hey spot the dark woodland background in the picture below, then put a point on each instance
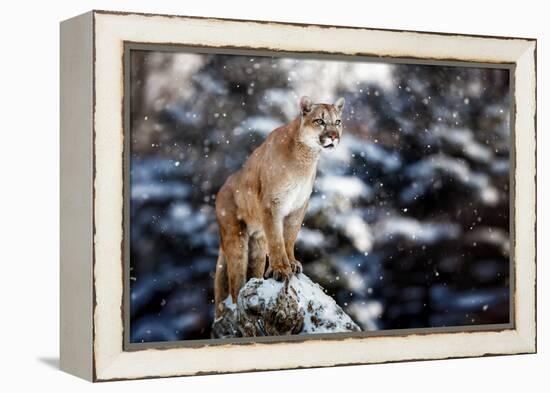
(408, 225)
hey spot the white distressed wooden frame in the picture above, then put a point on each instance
(92, 90)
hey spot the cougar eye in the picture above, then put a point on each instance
(319, 122)
(338, 122)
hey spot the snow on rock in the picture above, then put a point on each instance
(272, 308)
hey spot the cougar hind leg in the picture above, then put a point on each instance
(221, 283)
(235, 249)
(234, 239)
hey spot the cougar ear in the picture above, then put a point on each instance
(305, 105)
(339, 104)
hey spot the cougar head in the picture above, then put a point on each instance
(321, 124)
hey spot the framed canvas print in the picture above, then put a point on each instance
(246, 195)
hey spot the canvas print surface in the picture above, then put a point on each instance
(278, 196)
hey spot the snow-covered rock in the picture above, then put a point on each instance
(273, 308)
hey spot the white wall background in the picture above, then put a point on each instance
(29, 194)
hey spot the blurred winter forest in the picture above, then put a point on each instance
(408, 223)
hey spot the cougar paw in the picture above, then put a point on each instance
(296, 266)
(279, 274)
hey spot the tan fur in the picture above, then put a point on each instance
(261, 207)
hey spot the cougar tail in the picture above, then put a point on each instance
(221, 283)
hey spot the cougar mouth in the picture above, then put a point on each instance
(329, 143)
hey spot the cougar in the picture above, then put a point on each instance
(260, 208)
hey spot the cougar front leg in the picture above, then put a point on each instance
(292, 225)
(257, 251)
(279, 265)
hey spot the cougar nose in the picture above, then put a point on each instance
(333, 135)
